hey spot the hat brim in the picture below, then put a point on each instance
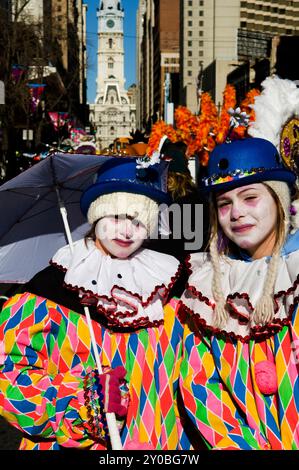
(275, 174)
(100, 189)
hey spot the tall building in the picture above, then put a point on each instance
(236, 41)
(208, 47)
(145, 62)
(112, 115)
(140, 63)
(166, 52)
(158, 46)
(268, 38)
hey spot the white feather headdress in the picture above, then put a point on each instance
(278, 102)
(277, 120)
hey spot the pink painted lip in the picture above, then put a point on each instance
(123, 243)
(242, 228)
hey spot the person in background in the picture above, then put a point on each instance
(50, 387)
(188, 213)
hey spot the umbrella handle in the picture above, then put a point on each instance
(63, 213)
(110, 417)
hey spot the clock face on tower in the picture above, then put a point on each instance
(110, 23)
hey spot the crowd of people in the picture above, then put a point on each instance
(131, 338)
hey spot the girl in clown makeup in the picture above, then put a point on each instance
(50, 388)
(240, 379)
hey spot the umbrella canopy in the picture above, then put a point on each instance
(40, 211)
(32, 228)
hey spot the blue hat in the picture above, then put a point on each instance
(121, 174)
(245, 161)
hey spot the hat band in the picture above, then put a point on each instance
(233, 176)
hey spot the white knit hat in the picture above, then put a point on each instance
(137, 206)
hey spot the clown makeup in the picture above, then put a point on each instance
(119, 236)
(248, 217)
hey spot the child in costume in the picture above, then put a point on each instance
(49, 385)
(240, 379)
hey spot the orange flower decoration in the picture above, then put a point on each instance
(201, 133)
(159, 129)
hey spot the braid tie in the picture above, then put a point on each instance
(220, 312)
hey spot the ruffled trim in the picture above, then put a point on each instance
(203, 323)
(90, 298)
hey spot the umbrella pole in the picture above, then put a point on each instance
(110, 417)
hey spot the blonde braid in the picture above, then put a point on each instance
(220, 313)
(264, 310)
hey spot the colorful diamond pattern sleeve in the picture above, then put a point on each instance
(225, 399)
(45, 355)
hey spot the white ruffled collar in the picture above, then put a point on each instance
(129, 292)
(242, 284)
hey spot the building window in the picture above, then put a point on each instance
(243, 24)
(201, 3)
(200, 53)
(189, 53)
(189, 23)
(189, 63)
(190, 12)
(200, 43)
(110, 43)
(110, 63)
(189, 33)
(189, 43)
(200, 33)
(189, 3)
(189, 73)
(200, 23)
(201, 13)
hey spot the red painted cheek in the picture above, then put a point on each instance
(252, 203)
(222, 211)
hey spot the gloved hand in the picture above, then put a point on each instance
(110, 391)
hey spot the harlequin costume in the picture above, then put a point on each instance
(46, 354)
(240, 381)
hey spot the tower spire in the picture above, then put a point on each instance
(113, 114)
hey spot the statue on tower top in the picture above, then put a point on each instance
(111, 5)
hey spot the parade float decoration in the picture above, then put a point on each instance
(201, 132)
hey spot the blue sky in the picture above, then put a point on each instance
(130, 7)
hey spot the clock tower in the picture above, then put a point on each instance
(113, 114)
